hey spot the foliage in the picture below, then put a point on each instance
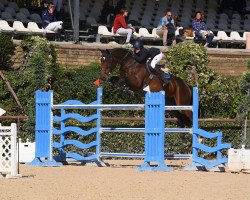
(7, 49)
(40, 60)
(244, 107)
(37, 73)
(219, 96)
(76, 84)
(186, 56)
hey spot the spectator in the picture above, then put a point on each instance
(108, 13)
(49, 20)
(119, 5)
(166, 29)
(121, 27)
(200, 30)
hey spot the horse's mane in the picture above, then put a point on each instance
(119, 52)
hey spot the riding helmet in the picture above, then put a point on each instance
(138, 44)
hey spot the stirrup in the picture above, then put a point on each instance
(165, 76)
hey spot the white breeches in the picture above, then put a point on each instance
(127, 31)
(54, 26)
(156, 59)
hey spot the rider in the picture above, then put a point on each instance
(142, 54)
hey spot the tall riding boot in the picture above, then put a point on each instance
(163, 75)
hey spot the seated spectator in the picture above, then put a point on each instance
(166, 29)
(121, 27)
(201, 31)
(108, 13)
(49, 20)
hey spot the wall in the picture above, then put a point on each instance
(224, 61)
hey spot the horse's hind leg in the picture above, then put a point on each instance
(181, 100)
(175, 113)
(187, 115)
(181, 119)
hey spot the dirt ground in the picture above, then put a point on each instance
(122, 181)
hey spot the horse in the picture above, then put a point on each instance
(136, 76)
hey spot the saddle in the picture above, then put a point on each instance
(164, 76)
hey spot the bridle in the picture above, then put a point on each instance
(119, 61)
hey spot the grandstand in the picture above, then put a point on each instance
(230, 31)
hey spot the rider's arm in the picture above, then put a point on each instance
(123, 23)
(142, 57)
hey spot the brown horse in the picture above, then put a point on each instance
(136, 76)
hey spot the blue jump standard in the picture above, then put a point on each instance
(154, 133)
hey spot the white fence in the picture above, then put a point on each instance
(8, 151)
(239, 160)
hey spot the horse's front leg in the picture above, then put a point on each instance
(120, 84)
(117, 81)
(122, 77)
(114, 80)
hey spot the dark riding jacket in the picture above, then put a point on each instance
(144, 54)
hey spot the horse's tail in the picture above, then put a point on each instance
(191, 99)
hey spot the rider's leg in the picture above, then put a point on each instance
(162, 74)
(156, 59)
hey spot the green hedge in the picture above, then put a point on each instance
(7, 49)
(218, 96)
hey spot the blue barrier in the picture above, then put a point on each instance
(154, 132)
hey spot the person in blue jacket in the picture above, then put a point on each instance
(49, 21)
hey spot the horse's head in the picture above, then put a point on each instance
(108, 63)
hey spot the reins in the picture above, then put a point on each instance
(124, 56)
